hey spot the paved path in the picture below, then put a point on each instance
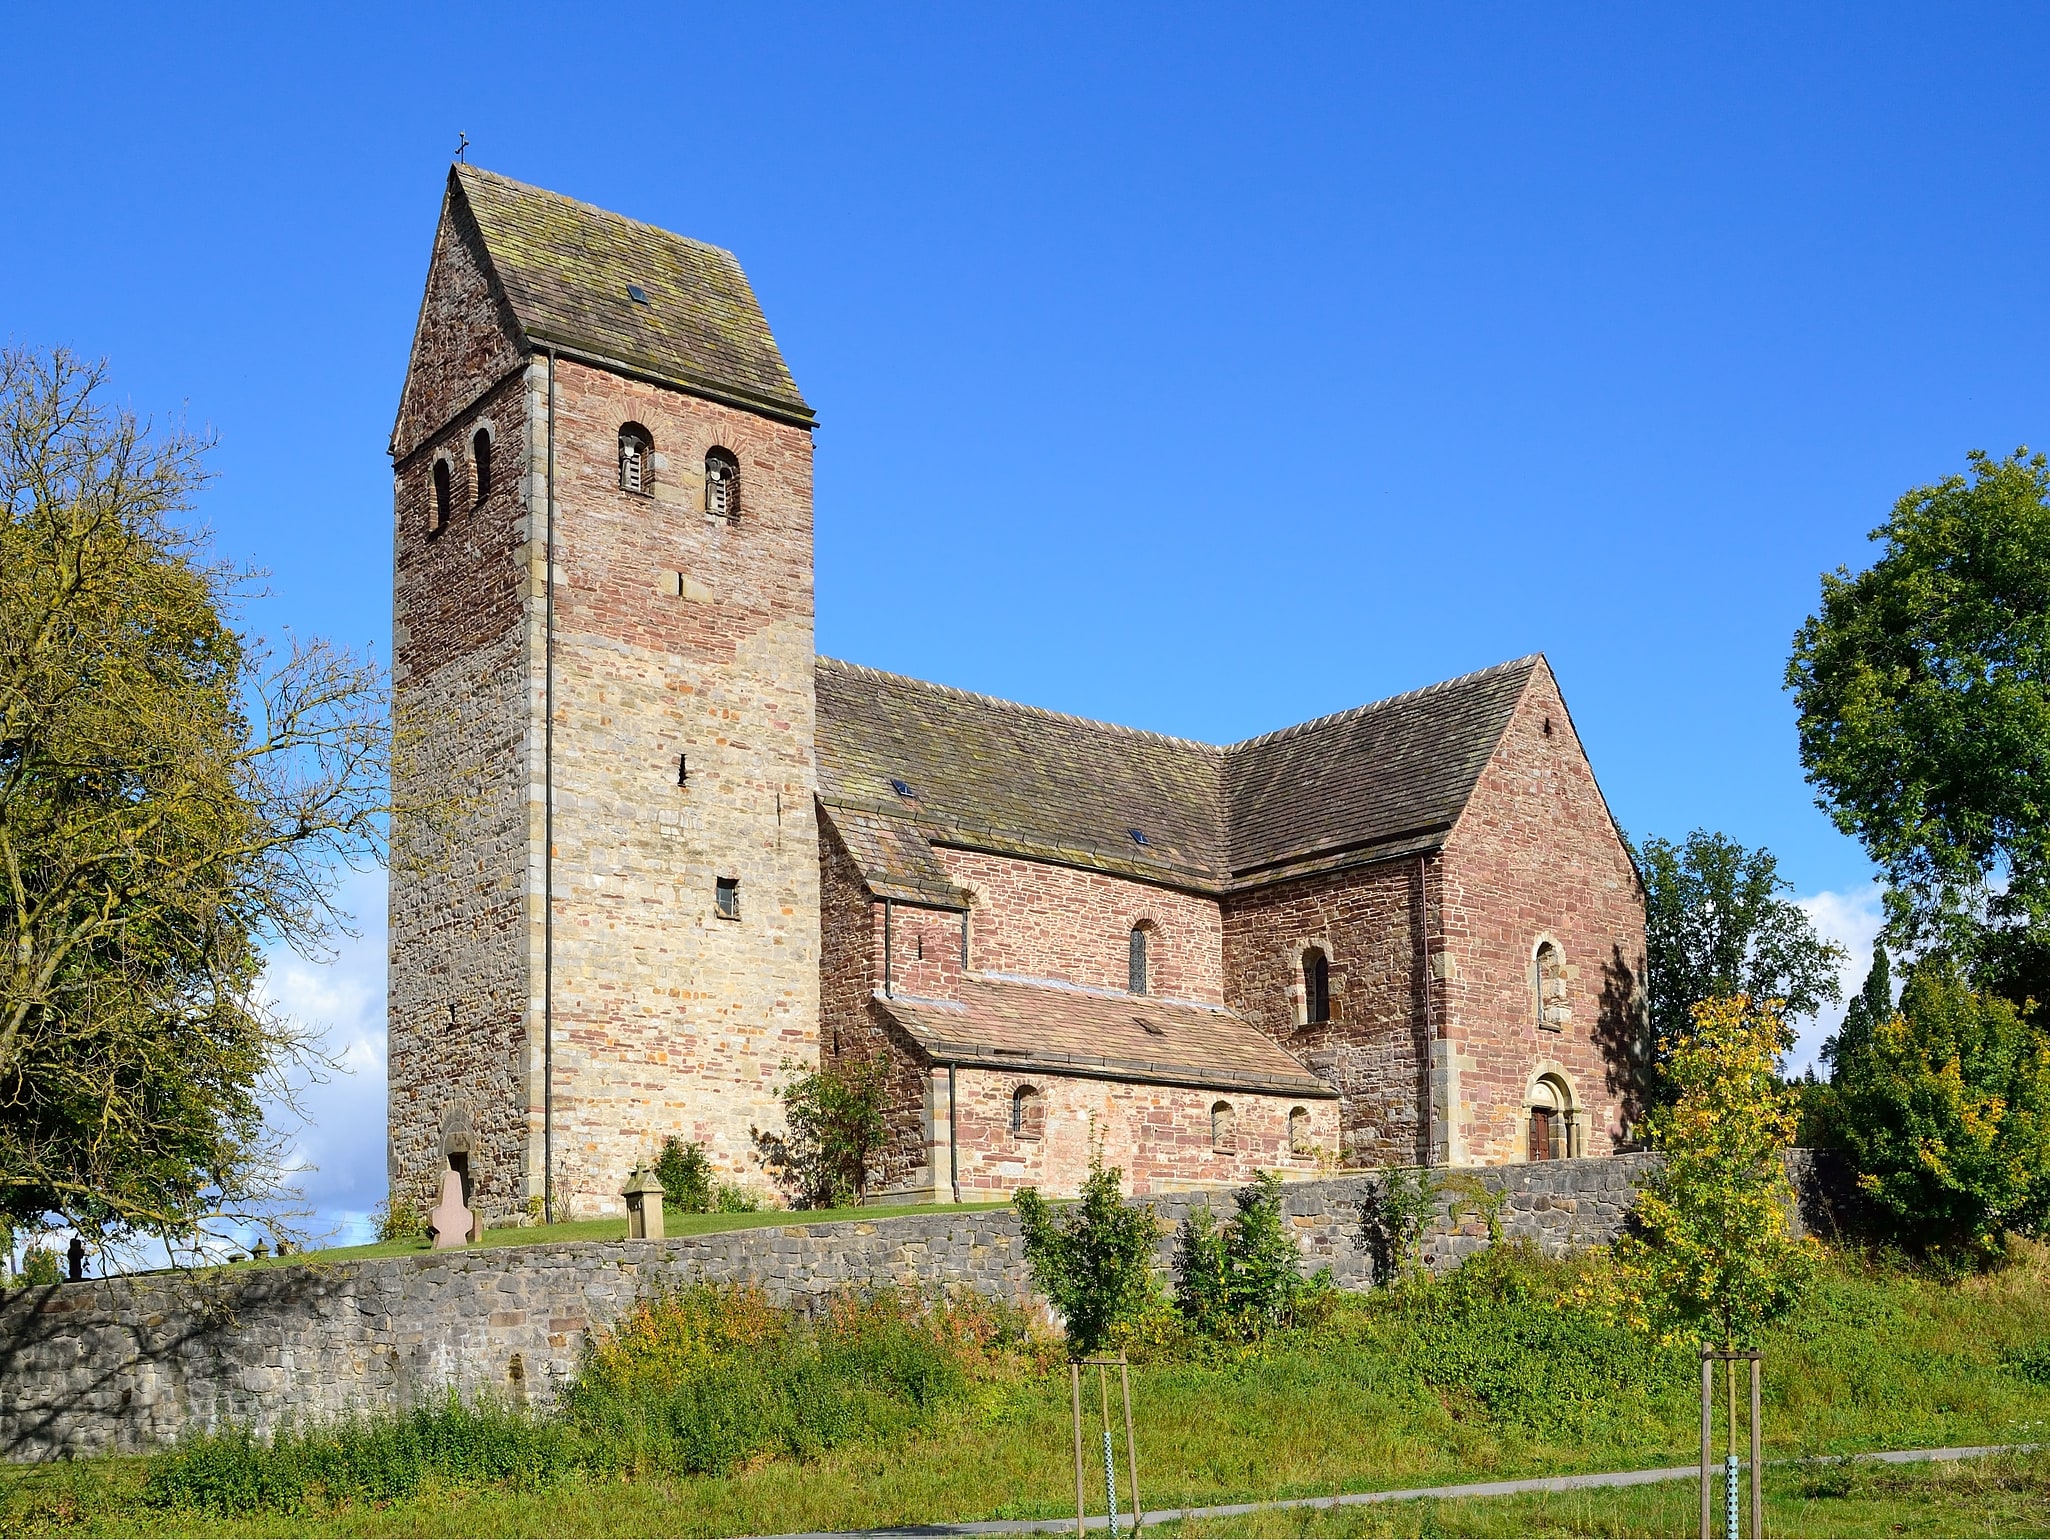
(1624, 1478)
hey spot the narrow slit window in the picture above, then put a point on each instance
(1223, 1128)
(437, 515)
(1136, 962)
(480, 457)
(1316, 987)
(722, 484)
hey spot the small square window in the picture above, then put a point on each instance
(726, 897)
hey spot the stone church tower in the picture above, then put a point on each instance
(603, 591)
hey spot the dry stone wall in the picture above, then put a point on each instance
(130, 1364)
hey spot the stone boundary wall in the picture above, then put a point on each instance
(123, 1365)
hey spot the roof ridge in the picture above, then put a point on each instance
(1529, 659)
(1048, 712)
(463, 167)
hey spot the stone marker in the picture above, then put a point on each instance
(643, 1206)
(450, 1224)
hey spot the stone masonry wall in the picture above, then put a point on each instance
(679, 633)
(1159, 1136)
(460, 914)
(1536, 857)
(129, 1364)
(1058, 922)
(1366, 922)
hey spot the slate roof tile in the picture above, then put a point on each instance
(1027, 1025)
(566, 266)
(1377, 781)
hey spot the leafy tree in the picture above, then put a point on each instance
(173, 796)
(1717, 923)
(835, 1121)
(1093, 1260)
(1711, 1250)
(1923, 687)
(1243, 1278)
(1869, 1007)
(1394, 1219)
(685, 1172)
(1945, 1108)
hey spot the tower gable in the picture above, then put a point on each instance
(466, 339)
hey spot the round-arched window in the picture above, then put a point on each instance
(1136, 961)
(1028, 1113)
(636, 456)
(437, 514)
(1223, 1127)
(722, 484)
(1299, 1140)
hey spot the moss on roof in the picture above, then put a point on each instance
(567, 269)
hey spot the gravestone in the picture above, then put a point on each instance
(451, 1223)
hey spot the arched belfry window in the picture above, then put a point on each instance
(722, 484)
(1028, 1113)
(1316, 986)
(1137, 982)
(1548, 986)
(636, 451)
(437, 515)
(1223, 1127)
(480, 457)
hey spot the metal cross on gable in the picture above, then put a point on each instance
(462, 146)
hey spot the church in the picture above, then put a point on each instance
(655, 856)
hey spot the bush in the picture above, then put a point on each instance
(835, 1124)
(40, 1265)
(1094, 1261)
(731, 1198)
(1945, 1109)
(1243, 1278)
(397, 1220)
(685, 1173)
(1394, 1219)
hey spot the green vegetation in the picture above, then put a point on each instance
(1093, 1260)
(1944, 1106)
(1507, 1367)
(1244, 1278)
(833, 1131)
(173, 796)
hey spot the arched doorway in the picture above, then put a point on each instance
(1553, 1135)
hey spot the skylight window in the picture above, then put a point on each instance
(1139, 837)
(637, 294)
(902, 789)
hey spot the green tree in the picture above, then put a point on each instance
(1093, 1260)
(173, 797)
(1923, 687)
(1244, 1277)
(1944, 1106)
(835, 1120)
(1869, 1007)
(1711, 1251)
(1717, 923)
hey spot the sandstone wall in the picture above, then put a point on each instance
(1536, 857)
(128, 1364)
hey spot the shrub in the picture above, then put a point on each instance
(397, 1220)
(1945, 1109)
(1394, 1218)
(1243, 1278)
(685, 1173)
(732, 1198)
(1094, 1261)
(834, 1127)
(40, 1265)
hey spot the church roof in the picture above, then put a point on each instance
(566, 268)
(1036, 1025)
(1378, 781)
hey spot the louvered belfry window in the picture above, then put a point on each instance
(722, 484)
(633, 459)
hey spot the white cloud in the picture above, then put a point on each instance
(337, 1139)
(1852, 919)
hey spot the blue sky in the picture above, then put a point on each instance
(1203, 369)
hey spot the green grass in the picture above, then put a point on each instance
(1502, 1372)
(675, 1224)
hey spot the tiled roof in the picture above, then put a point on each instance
(998, 775)
(1029, 1025)
(1378, 781)
(895, 858)
(565, 267)
(1396, 773)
